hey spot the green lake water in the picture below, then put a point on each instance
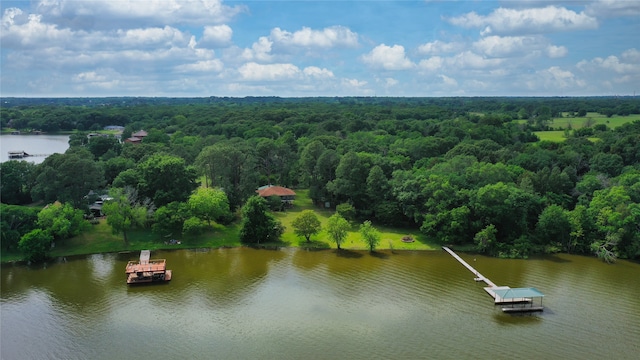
(293, 304)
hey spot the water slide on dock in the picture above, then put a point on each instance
(503, 295)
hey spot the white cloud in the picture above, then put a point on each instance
(614, 64)
(105, 79)
(439, 47)
(527, 21)
(260, 50)
(150, 37)
(613, 8)
(390, 82)
(216, 36)
(470, 60)
(553, 51)
(517, 46)
(554, 78)
(316, 72)
(448, 82)
(354, 83)
(213, 65)
(334, 36)
(106, 14)
(431, 64)
(20, 30)
(268, 72)
(631, 56)
(388, 58)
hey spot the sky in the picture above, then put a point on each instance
(199, 48)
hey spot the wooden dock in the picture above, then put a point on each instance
(491, 288)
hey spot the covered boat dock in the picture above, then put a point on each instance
(520, 299)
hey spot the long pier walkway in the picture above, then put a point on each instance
(479, 277)
(490, 289)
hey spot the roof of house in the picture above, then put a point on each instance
(140, 134)
(275, 190)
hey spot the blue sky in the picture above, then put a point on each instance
(319, 48)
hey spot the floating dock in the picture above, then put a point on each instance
(22, 154)
(503, 294)
(147, 270)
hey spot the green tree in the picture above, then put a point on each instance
(485, 239)
(35, 245)
(351, 177)
(258, 225)
(194, 226)
(16, 181)
(610, 164)
(554, 228)
(124, 211)
(100, 145)
(337, 228)
(170, 218)
(306, 224)
(370, 235)
(166, 178)
(14, 223)
(346, 211)
(62, 220)
(67, 178)
(230, 166)
(114, 166)
(209, 204)
(308, 160)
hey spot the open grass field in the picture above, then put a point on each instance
(391, 238)
(596, 118)
(579, 122)
(99, 238)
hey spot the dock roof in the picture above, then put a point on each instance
(517, 293)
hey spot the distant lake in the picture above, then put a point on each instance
(41, 145)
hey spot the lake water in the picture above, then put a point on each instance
(33, 144)
(292, 304)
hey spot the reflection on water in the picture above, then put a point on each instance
(290, 304)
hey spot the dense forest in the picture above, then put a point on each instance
(465, 171)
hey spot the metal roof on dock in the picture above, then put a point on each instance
(515, 293)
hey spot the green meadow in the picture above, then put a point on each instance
(561, 124)
(99, 238)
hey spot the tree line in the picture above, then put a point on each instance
(466, 171)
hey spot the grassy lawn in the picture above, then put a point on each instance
(100, 239)
(579, 122)
(555, 135)
(597, 118)
(390, 237)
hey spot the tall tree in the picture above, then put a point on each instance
(230, 166)
(62, 220)
(100, 145)
(125, 211)
(337, 228)
(258, 225)
(370, 235)
(209, 204)
(351, 176)
(306, 224)
(35, 245)
(166, 178)
(16, 181)
(67, 178)
(15, 222)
